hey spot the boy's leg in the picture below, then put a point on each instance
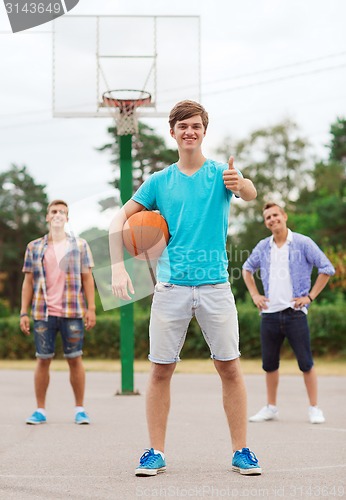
(170, 316)
(171, 313)
(41, 380)
(298, 335)
(72, 334)
(44, 335)
(158, 403)
(310, 379)
(77, 379)
(244, 460)
(234, 400)
(272, 383)
(272, 339)
(217, 316)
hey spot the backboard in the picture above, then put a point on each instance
(93, 54)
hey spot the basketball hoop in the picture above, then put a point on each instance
(123, 104)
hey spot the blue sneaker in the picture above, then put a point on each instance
(36, 418)
(245, 462)
(82, 418)
(150, 464)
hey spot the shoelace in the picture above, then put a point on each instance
(148, 457)
(250, 455)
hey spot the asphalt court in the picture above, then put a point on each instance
(61, 460)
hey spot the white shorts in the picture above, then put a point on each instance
(173, 308)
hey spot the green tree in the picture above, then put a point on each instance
(276, 160)
(23, 206)
(99, 244)
(149, 154)
(321, 208)
(338, 142)
(330, 179)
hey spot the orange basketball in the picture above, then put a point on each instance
(145, 235)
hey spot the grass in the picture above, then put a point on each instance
(324, 366)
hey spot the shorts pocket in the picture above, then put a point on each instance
(163, 287)
(298, 314)
(221, 285)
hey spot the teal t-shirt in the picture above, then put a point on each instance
(196, 209)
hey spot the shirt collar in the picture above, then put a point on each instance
(288, 239)
(69, 237)
(70, 240)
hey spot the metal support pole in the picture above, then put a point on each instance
(126, 310)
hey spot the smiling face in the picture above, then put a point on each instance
(57, 216)
(275, 219)
(189, 133)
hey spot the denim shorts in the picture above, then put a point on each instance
(72, 335)
(275, 327)
(173, 308)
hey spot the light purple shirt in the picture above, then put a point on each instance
(304, 254)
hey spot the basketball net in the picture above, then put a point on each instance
(126, 120)
(123, 106)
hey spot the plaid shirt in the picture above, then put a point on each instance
(78, 259)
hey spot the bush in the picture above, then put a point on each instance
(13, 343)
(327, 324)
(4, 309)
(328, 327)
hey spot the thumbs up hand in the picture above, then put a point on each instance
(232, 180)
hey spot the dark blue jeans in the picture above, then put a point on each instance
(72, 335)
(275, 327)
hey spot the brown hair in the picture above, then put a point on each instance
(57, 202)
(272, 204)
(186, 109)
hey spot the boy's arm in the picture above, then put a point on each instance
(89, 292)
(320, 283)
(121, 281)
(325, 270)
(241, 187)
(248, 192)
(259, 300)
(27, 293)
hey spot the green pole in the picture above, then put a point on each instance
(126, 310)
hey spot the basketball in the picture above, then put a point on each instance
(145, 235)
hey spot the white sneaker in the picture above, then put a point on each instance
(264, 414)
(316, 415)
